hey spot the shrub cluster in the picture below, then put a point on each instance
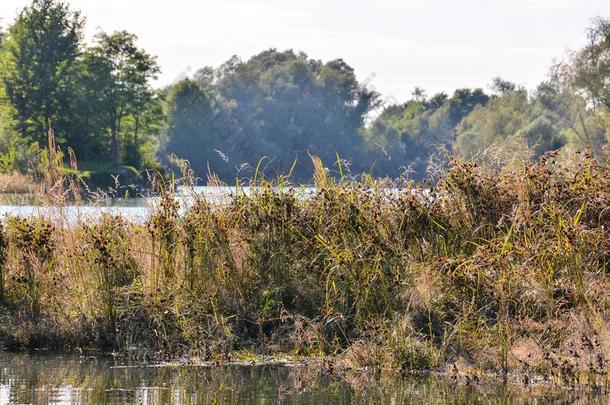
(503, 271)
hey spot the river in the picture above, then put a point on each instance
(70, 379)
(135, 209)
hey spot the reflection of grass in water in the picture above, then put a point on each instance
(33, 379)
(500, 271)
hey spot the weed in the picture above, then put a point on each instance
(493, 268)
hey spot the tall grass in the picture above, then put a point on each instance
(499, 270)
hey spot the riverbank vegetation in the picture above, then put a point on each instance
(496, 269)
(476, 237)
(99, 97)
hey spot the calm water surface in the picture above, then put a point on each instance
(136, 209)
(56, 379)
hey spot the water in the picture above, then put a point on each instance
(57, 379)
(135, 209)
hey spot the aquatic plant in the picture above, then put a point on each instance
(106, 252)
(501, 270)
(33, 244)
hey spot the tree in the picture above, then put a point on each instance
(583, 83)
(511, 122)
(190, 129)
(284, 105)
(38, 74)
(406, 136)
(463, 102)
(128, 70)
(502, 86)
(88, 132)
(146, 124)
(591, 65)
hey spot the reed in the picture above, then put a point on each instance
(33, 251)
(501, 270)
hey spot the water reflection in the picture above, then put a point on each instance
(46, 379)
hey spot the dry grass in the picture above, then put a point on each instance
(16, 183)
(505, 271)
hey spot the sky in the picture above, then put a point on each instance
(393, 45)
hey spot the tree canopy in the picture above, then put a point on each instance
(39, 59)
(97, 99)
(283, 106)
(279, 108)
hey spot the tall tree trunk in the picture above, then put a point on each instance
(115, 144)
(136, 130)
(116, 130)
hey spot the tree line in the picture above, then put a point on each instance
(273, 111)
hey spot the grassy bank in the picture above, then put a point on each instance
(498, 271)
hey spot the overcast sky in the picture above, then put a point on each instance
(394, 45)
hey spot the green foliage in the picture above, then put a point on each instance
(98, 100)
(281, 105)
(107, 254)
(592, 63)
(39, 67)
(192, 132)
(276, 108)
(34, 247)
(403, 138)
(8, 160)
(127, 71)
(583, 83)
(511, 121)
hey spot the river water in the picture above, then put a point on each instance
(67, 379)
(136, 209)
(139, 209)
